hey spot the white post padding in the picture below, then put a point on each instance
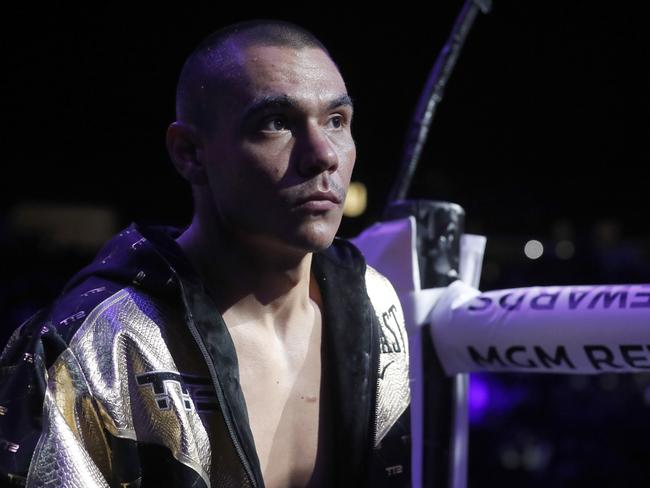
(550, 329)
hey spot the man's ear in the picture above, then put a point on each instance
(185, 150)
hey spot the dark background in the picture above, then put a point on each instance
(543, 133)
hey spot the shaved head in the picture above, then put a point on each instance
(213, 65)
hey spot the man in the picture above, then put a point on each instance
(252, 349)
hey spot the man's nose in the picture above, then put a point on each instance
(316, 152)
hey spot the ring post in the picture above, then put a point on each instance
(442, 400)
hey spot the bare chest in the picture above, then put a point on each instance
(281, 382)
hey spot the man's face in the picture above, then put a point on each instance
(281, 156)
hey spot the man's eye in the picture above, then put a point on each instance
(336, 122)
(274, 124)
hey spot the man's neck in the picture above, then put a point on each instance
(249, 280)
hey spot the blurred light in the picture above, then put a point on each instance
(535, 457)
(356, 200)
(510, 458)
(533, 249)
(607, 233)
(479, 397)
(63, 226)
(488, 397)
(565, 249)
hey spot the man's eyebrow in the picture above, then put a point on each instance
(285, 101)
(343, 100)
(269, 101)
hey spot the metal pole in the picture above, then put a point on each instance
(432, 95)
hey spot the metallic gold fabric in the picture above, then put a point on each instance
(393, 391)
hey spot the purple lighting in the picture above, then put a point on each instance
(489, 396)
(479, 397)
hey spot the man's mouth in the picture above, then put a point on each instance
(319, 196)
(318, 201)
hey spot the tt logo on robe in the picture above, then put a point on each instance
(160, 382)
